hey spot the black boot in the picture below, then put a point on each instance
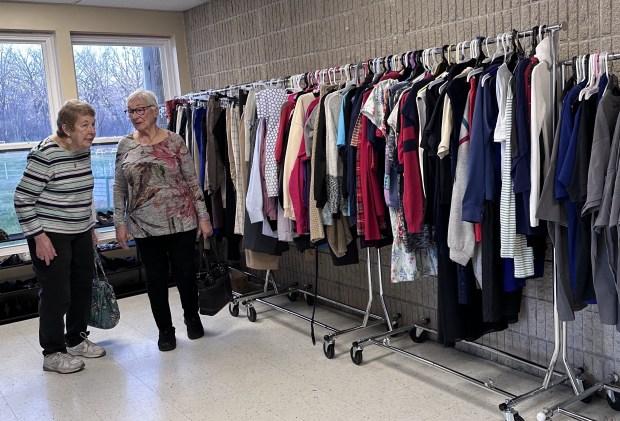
(167, 341)
(194, 327)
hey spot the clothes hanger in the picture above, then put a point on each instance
(593, 81)
(533, 41)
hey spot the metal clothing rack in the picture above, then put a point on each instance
(330, 339)
(612, 392)
(293, 292)
(415, 330)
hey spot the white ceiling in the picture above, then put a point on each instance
(167, 5)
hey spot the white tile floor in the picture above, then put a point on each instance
(267, 370)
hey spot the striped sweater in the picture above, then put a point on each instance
(55, 193)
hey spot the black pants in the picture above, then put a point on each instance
(174, 252)
(65, 289)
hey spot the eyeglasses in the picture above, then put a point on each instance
(139, 110)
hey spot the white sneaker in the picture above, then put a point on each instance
(62, 363)
(86, 349)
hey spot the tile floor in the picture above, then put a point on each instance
(267, 370)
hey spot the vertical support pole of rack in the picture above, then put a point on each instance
(388, 320)
(367, 314)
(556, 318)
(559, 327)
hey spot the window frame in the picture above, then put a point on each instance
(167, 50)
(52, 75)
(170, 77)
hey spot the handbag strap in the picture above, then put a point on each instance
(99, 266)
(215, 256)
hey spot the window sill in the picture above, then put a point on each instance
(104, 235)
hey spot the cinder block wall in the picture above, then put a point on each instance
(242, 41)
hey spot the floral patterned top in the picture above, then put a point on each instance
(156, 190)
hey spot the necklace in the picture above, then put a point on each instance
(151, 140)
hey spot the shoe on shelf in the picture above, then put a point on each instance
(12, 260)
(62, 363)
(86, 349)
(102, 218)
(194, 327)
(167, 341)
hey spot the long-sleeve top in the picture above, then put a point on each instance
(55, 194)
(481, 183)
(156, 190)
(541, 123)
(268, 106)
(292, 150)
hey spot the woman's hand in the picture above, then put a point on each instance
(205, 229)
(93, 234)
(45, 249)
(122, 236)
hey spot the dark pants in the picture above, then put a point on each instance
(174, 252)
(65, 289)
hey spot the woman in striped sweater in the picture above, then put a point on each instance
(53, 202)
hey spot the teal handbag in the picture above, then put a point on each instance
(104, 311)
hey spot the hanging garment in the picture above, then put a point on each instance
(603, 272)
(293, 149)
(268, 106)
(512, 245)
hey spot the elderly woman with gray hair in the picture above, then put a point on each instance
(158, 202)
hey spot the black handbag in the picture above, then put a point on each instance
(213, 279)
(104, 311)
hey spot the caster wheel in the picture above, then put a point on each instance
(233, 309)
(395, 326)
(251, 314)
(328, 350)
(292, 296)
(615, 402)
(309, 299)
(356, 356)
(587, 385)
(417, 338)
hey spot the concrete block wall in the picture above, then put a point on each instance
(241, 41)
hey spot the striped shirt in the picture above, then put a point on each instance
(55, 193)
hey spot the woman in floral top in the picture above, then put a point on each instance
(157, 200)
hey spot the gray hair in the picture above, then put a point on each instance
(69, 114)
(147, 96)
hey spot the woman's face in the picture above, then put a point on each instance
(142, 115)
(83, 132)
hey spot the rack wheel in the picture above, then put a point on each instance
(309, 299)
(586, 385)
(417, 338)
(328, 350)
(292, 296)
(615, 402)
(233, 309)
(356, 356)
(251, 314)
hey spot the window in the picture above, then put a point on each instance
(29, 87)
(108, 69)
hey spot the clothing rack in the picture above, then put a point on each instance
(612, 392)
(390, 322)
(559, 337)
(507, 407)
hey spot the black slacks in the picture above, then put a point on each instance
(164, 254)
